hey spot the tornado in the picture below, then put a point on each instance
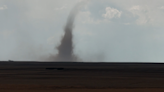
(66, 47)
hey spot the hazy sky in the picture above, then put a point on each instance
(104, 30)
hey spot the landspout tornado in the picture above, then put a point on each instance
(65, 49)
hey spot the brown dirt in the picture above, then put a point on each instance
(74, 77)
(90, 90)
(41, 88)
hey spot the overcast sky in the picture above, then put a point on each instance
(104, 30)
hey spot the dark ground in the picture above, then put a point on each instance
(63, 75)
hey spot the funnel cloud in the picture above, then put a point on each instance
(65, 49)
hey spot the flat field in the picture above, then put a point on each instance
(81, 77)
